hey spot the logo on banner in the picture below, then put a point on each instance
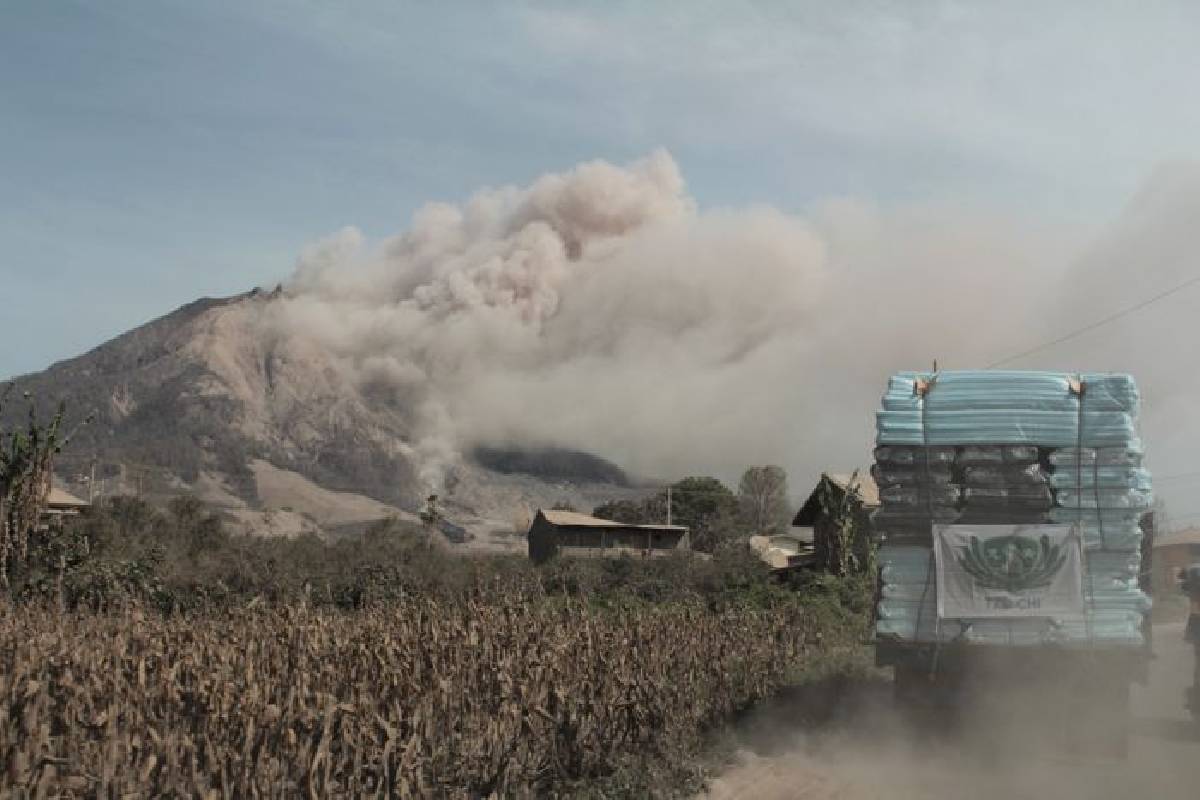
(1008, 571)
(1012, 563)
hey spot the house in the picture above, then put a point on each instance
(61, 503)
(567, 533)
(1173, 552)
(784, 551)
(859, 490)
(838, 484)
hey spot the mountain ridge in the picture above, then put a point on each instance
(193, 400)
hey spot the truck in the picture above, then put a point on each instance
(1014, 537)
(1189, 583)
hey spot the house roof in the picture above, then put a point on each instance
(868, 491)
(576, 519)
(769, 549)
(863, 485)
(573, 519)
(1187, 536)
(59, 498)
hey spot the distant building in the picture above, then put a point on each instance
(813, 515)
(1173, 552)
(784, 551)
(570, 534)
(61, 504)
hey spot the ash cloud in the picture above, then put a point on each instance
(601, 309)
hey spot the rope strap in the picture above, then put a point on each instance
(1078, 388)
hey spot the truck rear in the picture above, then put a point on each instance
(1014, 526)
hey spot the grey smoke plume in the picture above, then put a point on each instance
(601, 309)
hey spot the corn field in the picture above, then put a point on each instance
(508, 696)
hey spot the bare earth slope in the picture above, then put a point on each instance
(207, 400)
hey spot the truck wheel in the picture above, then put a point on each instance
(1117, 724)
(917, 697)
(910, 690)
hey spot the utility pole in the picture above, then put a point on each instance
(92, 483)
(668, 504)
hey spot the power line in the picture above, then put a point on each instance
(1088, 328)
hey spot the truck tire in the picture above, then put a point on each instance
(1193, 694)
(924, 699)
(1118, 731)
(912, 693)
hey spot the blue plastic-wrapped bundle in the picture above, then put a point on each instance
(1000, 426)
(1046, 409)
(1108, 529)
(1129, 455)
(1011, 392)
(1104, 478)
(1004, 447)
(1122, 628)
(1100, 499)
(907, 610)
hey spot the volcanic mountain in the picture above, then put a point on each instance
(274, 432)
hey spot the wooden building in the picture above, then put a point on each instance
(857, 493)
(61, 504)
(570, 534)
(784, 551)
(1173, 552)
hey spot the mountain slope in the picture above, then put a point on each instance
(208, 399)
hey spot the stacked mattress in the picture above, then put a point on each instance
(1000, 447)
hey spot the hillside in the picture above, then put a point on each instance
(272, 429)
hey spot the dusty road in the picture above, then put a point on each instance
(865, 752)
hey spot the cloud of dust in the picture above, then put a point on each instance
(601, 309)
(851, 741)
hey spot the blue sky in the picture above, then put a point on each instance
(154, 152)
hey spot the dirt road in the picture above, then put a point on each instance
(864, 752)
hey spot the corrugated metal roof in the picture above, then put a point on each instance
(1189, 536)
(864, 486)
(578, 520)
(573, 519)
(59, 498)
(868, 492)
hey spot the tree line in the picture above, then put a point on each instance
(716, 515)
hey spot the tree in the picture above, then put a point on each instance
(629, 512)
(842, 537)
(25, 470)
(707, 507)
(762, 499)
(431, 517)
(702, 504)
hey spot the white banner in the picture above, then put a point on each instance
(1008, 570)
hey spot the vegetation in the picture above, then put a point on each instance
(498, 691)
(705, 505)
(385, 667)
(124, 551)
(26, 455)
(763, 500)
(843, 542)
(149, 652)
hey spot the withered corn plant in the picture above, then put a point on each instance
(25, 466)
(503, 694)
